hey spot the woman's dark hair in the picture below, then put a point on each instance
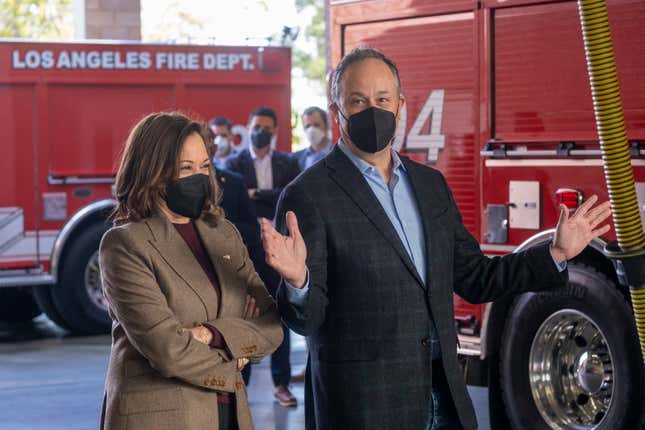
(150, 161)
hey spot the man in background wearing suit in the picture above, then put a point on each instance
(240, 211)
(369, 272)
(266, 172)
(314, 121)
(236, 203)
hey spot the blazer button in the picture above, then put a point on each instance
(425, 342)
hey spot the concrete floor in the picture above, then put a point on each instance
(51, 381)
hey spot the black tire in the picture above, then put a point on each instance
(70, 296)
(43, 296)
(17, 305)
(591, 297)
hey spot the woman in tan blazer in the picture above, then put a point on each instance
(188, 309)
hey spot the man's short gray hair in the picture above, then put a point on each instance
(356, 55)
(312, 110)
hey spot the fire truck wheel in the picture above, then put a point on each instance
(78, 295)
(43, 296)
(17, 305)
(570, 358)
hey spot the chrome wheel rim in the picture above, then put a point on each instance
(92, 280)
(571, 372)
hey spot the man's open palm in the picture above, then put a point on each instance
(573, 233)
(286, 254)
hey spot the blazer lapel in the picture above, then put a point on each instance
(278, 170)
(431, 204)
(215, 243)
(352, 182)
(250, 176)
(174, 250)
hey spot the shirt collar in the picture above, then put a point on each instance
(254, 156)
(324, 150)
(363, 166)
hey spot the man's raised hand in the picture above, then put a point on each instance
(573, 233)
(286, 254)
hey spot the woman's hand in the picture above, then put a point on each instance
(251, 310)
(204, 335)
(201, 334)
(286, 254)
(241, 362)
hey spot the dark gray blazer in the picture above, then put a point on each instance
(368, 314)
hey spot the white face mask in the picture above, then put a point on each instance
(315, 136)
(223, 145)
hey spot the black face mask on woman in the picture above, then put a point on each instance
(186, 196)
(372, 129)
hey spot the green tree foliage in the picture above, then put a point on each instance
(313, 65)
(38, 19)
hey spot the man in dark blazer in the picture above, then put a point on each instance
(240, 211)
(266, 172)
(238, 207)
(375, 250)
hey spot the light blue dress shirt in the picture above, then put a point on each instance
(312, 157)
(398, 202)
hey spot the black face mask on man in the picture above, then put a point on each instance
(186, 196)
(372, 129)
(260, 138)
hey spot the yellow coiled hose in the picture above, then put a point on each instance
(613, 142)
(638, 301)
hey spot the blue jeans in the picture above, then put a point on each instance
(281, 361)
(444, 415)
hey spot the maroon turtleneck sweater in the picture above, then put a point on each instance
(190, 235)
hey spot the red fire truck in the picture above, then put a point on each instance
(66, 111)
(498, 99)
